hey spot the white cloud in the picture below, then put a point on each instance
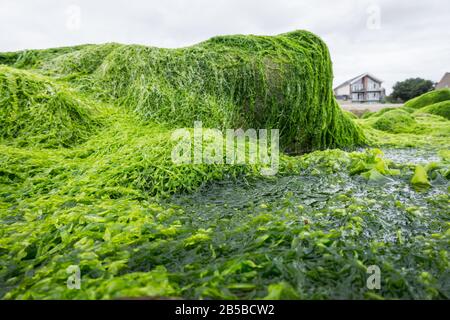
(413, 39)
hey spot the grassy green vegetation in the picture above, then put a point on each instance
(86, 178)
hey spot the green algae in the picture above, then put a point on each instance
(86, 179)
(351, 115)
(282, 82)
(440, 109)
(297, 236)
(394, 121)
(33, 110)
(325, 230)
(425, 130)
(429, 98)
(420, 178)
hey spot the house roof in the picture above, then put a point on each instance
(353, 80)
(445, 81)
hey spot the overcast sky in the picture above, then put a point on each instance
(393, 40)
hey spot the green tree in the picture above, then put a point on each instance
(410, 88)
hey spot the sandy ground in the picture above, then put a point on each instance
(348, 105)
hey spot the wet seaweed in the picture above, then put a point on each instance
(86, 178)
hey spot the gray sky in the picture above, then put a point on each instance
(393, 40)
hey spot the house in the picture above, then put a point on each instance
(363, 88)
(445, 81)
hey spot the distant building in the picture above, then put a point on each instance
(363, 88)
(445, 81)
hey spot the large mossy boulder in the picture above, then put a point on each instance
(282, 82)
(394, 121)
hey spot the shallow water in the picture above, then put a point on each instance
(411, 155)
(316, 192)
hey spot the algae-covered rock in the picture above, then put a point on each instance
(351, 115)
(394, 121)
(282, 82)
(367, 114)
(429, 98)
(35, 58)
(35, 110)
(382, 111)
(440, 109)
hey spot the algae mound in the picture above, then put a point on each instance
(35, 58)
(428, 98)
(440, 109)
(422, 115)
(282, 82)
(35, 110)
(394, 121)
